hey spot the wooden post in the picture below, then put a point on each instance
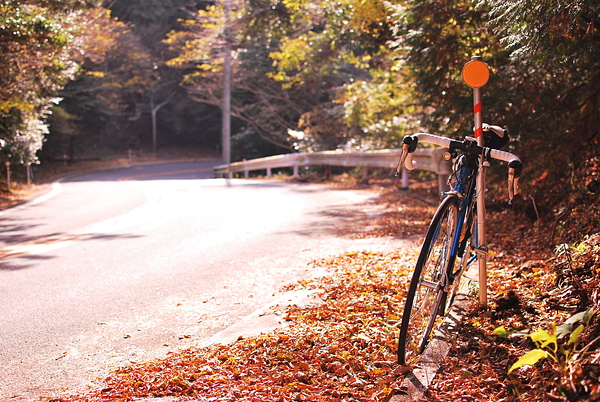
(8, 176)
(28, 172)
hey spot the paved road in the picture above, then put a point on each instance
(128, 264)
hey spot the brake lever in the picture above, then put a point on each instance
(403, 156)
(513, 185)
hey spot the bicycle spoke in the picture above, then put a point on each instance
(425, 294)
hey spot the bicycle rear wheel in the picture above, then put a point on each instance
(426, 291)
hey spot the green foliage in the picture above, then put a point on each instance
(551, 34)
(329, 41)
(152, 19)
(562, 41)
(40, 54)
(379, 111)
(560, 345)
(544, 84)
(258, 103)
(332, 54)
(434, 40)
(555, 48)
(345, 74)
(290, 60)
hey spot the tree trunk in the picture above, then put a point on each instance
(153, 111)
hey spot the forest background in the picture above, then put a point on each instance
(89, 79)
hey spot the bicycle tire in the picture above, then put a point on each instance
(425, 294)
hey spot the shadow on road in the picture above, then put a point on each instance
(29, 250)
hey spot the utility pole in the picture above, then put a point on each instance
(226, 133)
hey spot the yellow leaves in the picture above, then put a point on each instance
(368, 15)
(96, 74)
(284, 356)
(200, 42)
(325, 39)
(292, 56)
(295, 5)
(15, 102)
(543, 338)
(344, 355)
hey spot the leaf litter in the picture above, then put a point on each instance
(344, 348)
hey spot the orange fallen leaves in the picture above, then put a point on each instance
(340, 350)
(343, 349)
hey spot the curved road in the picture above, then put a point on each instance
(127, 264)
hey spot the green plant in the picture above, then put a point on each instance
(561, 345)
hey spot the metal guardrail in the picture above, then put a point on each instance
(428, 159)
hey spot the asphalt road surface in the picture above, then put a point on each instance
(128, 264)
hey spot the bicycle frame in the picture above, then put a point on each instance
(465, 190)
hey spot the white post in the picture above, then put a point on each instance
(405, 180)
(476, 74)
(442, 180)
(480, 185)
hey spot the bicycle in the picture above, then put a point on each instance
(456, 232)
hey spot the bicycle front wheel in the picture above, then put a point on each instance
(426, 292)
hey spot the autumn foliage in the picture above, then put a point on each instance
(342, 347)
(339, 349)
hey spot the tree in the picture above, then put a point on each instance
(40, 54)
(556, 47)
(330, 49)
(290, 62)
(151, 20)
(544, 85)
(102, 100)
(434, 40)
(259, 105)
(381, 110)
(561, 40)
(119, 98)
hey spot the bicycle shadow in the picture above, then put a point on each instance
(417, 381)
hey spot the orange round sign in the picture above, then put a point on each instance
(475, 73)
